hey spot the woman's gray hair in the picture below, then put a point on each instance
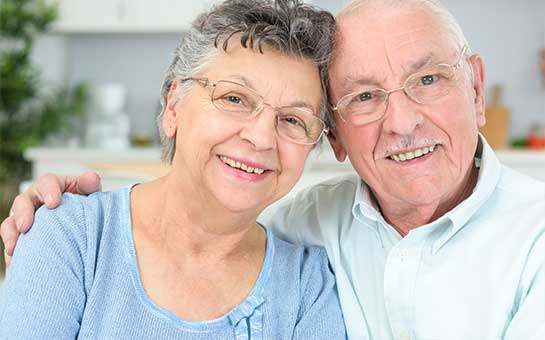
(288, 26)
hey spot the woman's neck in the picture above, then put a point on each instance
(188, 226)
(193, 259)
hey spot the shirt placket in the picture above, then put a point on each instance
(400, 275)
(247, 319)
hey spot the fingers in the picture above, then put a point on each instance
(7, 259)
(9, 234)
(22, 211)
(88, 183)
(85, 184)
(47, 189)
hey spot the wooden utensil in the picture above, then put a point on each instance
(498, 119)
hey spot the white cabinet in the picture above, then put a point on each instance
(126, 16)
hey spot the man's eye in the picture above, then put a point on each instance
(233, 99)
(429, 79)
(364, 96)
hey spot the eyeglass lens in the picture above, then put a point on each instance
(294, 123)
(422, 87)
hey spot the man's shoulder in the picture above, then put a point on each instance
(315, 214)
(517, 205)
(331, 192)
(520, 186)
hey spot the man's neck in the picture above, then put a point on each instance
(406, 217)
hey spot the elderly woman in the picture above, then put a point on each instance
(182, 257)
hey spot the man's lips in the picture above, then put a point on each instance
(407, 155)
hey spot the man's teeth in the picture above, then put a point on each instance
(400, 157)
(237, 165)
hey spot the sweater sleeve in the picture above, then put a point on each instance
(320, 315)
(43, 296)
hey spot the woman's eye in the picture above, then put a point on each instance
(294, 121)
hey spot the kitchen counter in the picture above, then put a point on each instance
(123, 167)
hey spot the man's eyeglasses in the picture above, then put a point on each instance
(423, 87)
(295, 124)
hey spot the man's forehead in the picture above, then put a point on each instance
(391, 29)
(380, 45)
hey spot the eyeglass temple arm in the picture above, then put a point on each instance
(459, 63)
(202, 81)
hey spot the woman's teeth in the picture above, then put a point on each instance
(237, 165)
(401, 157)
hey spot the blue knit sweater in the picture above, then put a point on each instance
(74, 275)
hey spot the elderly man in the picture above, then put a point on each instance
(435, 239)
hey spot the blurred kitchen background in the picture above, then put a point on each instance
(88, 93)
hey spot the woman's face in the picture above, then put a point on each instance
(215, 150)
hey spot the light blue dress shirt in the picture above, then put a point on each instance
(477, 273)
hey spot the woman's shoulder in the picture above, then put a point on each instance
(300, 263)
(304, 285)
(302, 254)
(77, 223)
(80, 214)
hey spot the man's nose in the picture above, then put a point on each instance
(403, 115)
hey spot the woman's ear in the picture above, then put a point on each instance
(170, 116)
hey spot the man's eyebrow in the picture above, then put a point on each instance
(353, 82)
(419, 64)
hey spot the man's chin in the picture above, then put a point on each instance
(419, 194)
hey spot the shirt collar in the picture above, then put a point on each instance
(488, 178)
(366, 210)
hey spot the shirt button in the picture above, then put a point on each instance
(403, 254)
(404, 336)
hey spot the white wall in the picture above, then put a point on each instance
(508, 34)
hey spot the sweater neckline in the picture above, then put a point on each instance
(244, 310)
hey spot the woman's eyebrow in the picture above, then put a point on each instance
(245, 81)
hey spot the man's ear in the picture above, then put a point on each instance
(170, 116)
(336, 145)
(477, 66)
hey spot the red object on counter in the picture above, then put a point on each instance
(535, 141)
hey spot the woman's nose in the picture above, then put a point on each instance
(261, 130)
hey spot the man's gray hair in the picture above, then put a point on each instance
(288, 26)
(445, 18)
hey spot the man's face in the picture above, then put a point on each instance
(381, 50)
